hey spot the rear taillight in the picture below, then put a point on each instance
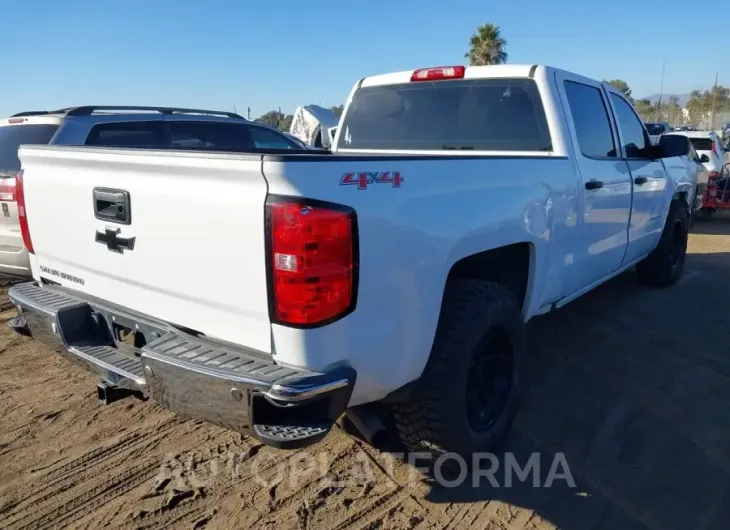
(8, 187)
(438, 72)
(22, 213)
(312, 253)
(714, 174)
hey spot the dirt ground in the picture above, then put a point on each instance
(631, 385)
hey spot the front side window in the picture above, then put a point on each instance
(590, 117)
(635, 139)
(470, 115)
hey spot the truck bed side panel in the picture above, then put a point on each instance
(445, 209)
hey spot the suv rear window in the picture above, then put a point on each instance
(218, 136)
(13, 136)
(484, 114)
(701, 144)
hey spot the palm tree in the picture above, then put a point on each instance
(487, 46)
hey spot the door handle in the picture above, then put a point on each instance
(112, 205)
(594, 185)
(639, 181)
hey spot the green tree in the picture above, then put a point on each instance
(700, 103)
(285, 123)
(487, 46)
(277, 119)
(622, 86)
(337, 109)
(273, 117)
(645, 109)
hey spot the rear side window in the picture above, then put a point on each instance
(485, 114)
(13, 136)
(147, 134)
(219, 136)
(701, 144)
(590, 117)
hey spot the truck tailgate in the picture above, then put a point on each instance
(192, 252)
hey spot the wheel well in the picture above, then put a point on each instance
(508, 265)
(681, 196)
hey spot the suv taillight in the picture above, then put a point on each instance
(8, 187)
(312, 254)
(22, 214)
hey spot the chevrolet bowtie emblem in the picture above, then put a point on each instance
(110, 237)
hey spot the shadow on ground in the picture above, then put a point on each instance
(632, 385)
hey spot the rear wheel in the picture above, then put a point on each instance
(466, 398)
(665, 264)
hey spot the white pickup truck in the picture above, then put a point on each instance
(271, 291)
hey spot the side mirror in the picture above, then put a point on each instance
(671, 145)
(704, 159)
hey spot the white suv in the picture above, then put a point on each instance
(115, 126)
(709, 147)
(24, 128)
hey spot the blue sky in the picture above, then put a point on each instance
(266, 54)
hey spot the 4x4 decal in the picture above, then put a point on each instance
(362, 179)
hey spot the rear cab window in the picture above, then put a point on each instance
(13, 136)
(476, 115)
(179, 134)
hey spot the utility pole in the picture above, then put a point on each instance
(714, 95)
(249, 114)
(661, 93)
(234, 110)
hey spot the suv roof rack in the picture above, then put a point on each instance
(87, 110)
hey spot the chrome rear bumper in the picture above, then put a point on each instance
(239, 389)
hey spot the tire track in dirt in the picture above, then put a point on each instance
(164, 517)
(55, 508)
(61, 479)
(63, 513)
(101, 454)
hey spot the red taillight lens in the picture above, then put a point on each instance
(313, 261)
(714, 174)
(8, 187)
(439, 72)
(22, 213)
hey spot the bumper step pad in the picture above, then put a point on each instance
(236, 388)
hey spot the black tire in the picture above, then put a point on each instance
(478, 321)
(665, 264)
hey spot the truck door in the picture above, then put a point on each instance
(648, 178)
(604, 211)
